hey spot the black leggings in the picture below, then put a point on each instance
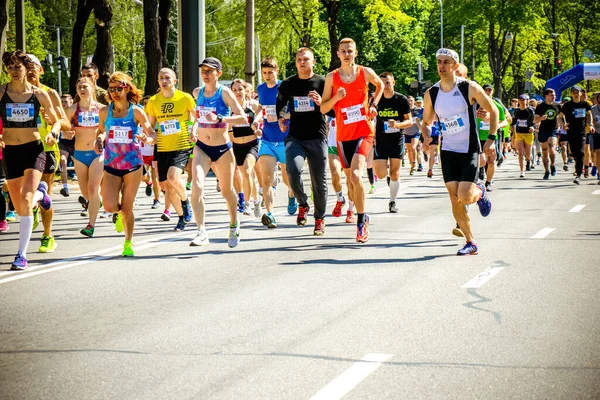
(577, 144)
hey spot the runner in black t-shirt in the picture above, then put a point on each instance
(523, 128)
(307, 138)
(546, 115)
(577, 114)
(393, 117)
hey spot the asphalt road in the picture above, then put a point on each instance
(287, 315)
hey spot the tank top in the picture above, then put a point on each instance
(121, 147)
(351, 111)
(244, 129)
(86, 119)
(207, 105)
(456, 117)
(19, 115)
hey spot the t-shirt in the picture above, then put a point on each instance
(484, 127)
(172, 116)
(306, 120)
(575, 114)
(267, 97)
(551, 111)
(414, 129)
(523, 120)
(393, 108)
(596, 117)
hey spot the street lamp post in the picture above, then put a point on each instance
(441, 23)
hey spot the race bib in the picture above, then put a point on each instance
(452, 125)
(269, 110)
(353, 114)
(19, 112)
(120, 135)
(202, 112)
(388, 129)
(88, 119)
(579, 112)
(484, 126)
(303, 104)
(522, 123)
(170, 127)
(597, 118)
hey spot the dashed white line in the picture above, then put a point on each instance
(577, 208)
(543, 233)
(482, 278)
(349, 379)
(596, 192)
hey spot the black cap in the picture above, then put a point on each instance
(212, 62)
(487, 86)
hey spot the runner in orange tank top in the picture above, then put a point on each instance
(347, 93)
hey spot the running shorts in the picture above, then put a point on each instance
(544, 136)
(528, 138)
(347, 150)
(241, 151)
(389, 146)
(459, 167)
(21, 157)
(168, 159)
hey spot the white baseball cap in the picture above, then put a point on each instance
(34, 59)
(447, 52)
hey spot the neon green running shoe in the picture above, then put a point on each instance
(36, 218)
(48, 244)
(128, 249)
(118, 221)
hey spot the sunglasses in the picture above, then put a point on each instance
(117, 89)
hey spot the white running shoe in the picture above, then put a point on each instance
(201, 239)
(258, 211)
(234, 236)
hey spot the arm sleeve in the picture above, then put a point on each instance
(282, 100)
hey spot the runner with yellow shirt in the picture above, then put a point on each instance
(172, 109)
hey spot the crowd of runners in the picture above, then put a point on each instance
(117, 139)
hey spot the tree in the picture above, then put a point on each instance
(164, 24)
(3, 26)
(152, 49)
(84, 9)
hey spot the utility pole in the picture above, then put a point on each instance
(20, 24)
(258, 61)
(250, 41)
(462, 43)
(191, 28)
(58, 55)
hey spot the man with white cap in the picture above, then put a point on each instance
(452, 100)
(52, 152)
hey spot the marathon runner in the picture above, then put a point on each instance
(451, 100)
(118, 138)
(90, 70)
(412, 134)
(89, 165)
(546, 114)
(347, 92)
(336, 170)
(272, 146)
(66, 147)
(48, 243)
(23, 155)
(393, 116)
(171, 109)
(245, 147)
(488, 157)
(596, 135)
(213, 147)
(577, 115)
(523, 129)
(307, 137)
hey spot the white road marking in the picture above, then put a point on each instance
(543, 233)
(482, 278)
(113, 251)
(349, 379)
(596, 192)
(577, 208)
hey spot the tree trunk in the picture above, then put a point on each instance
(3, 26)
(152, 49)
(103, 57)
(496, 54)
(84, 9)
(164, 24)
(333, 11)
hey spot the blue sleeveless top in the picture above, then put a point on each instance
(121, 148)
(214, 104)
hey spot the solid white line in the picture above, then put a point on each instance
(349, 379)
(482, 278)
(577, 208)
(596, 192)
(543, 233)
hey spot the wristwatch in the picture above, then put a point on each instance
(219, 118)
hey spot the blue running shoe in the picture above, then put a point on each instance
(292, 205)
(46, 201)
(268, 220)
(20, 263)
(470, 249)
(594, 170)
(484, 203)
(188, 215)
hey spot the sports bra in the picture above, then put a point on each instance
(243, 130)
(19, 115)
(86, 119)
(215, 105)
